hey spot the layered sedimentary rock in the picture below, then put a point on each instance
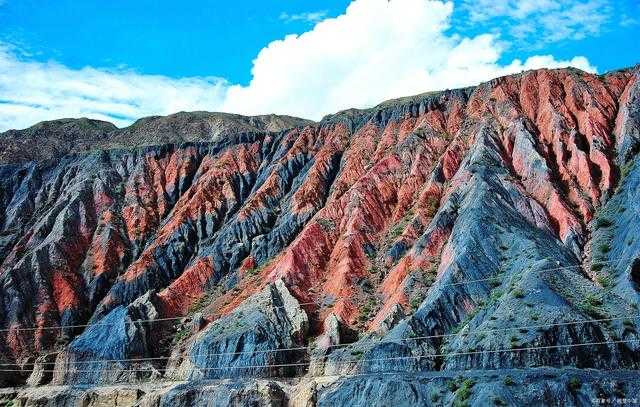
(478, 229)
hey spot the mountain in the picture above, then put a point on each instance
(53, 139)
(476, 246)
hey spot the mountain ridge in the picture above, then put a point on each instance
(486, 229)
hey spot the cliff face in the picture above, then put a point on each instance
(485, 229)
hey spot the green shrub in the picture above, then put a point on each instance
(415, 303)
(593, 300)
(464, 392)
(604, 281)
(435, 396)
(508, 381)
(574, 384)
(452, 385)
(604, 248)
(498, 401)
(603, 223)
(518, 293)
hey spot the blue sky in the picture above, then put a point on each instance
(177, 39)
(120, 60)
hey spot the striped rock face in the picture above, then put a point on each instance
(449, 231)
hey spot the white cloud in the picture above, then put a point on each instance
(310, 17)
(376, 50)
(35, 91)
(542, 21)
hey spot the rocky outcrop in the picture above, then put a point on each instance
(484, 229)
(265, 336)
(119, 348)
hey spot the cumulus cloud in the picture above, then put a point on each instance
(376, 50)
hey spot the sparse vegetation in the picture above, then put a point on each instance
(326, 224)
(200, 303)
(591, 306)
(396, 230)
(181, 334)
(626, 169)
(464, 322)
(508, 381)
(431, 206)
(593, 300)
(366, 309)
(464, 392)
(495, 296)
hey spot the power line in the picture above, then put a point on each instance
(371, 341)
(359, 360)
(317, 302)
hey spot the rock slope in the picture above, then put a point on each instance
(420, 251)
